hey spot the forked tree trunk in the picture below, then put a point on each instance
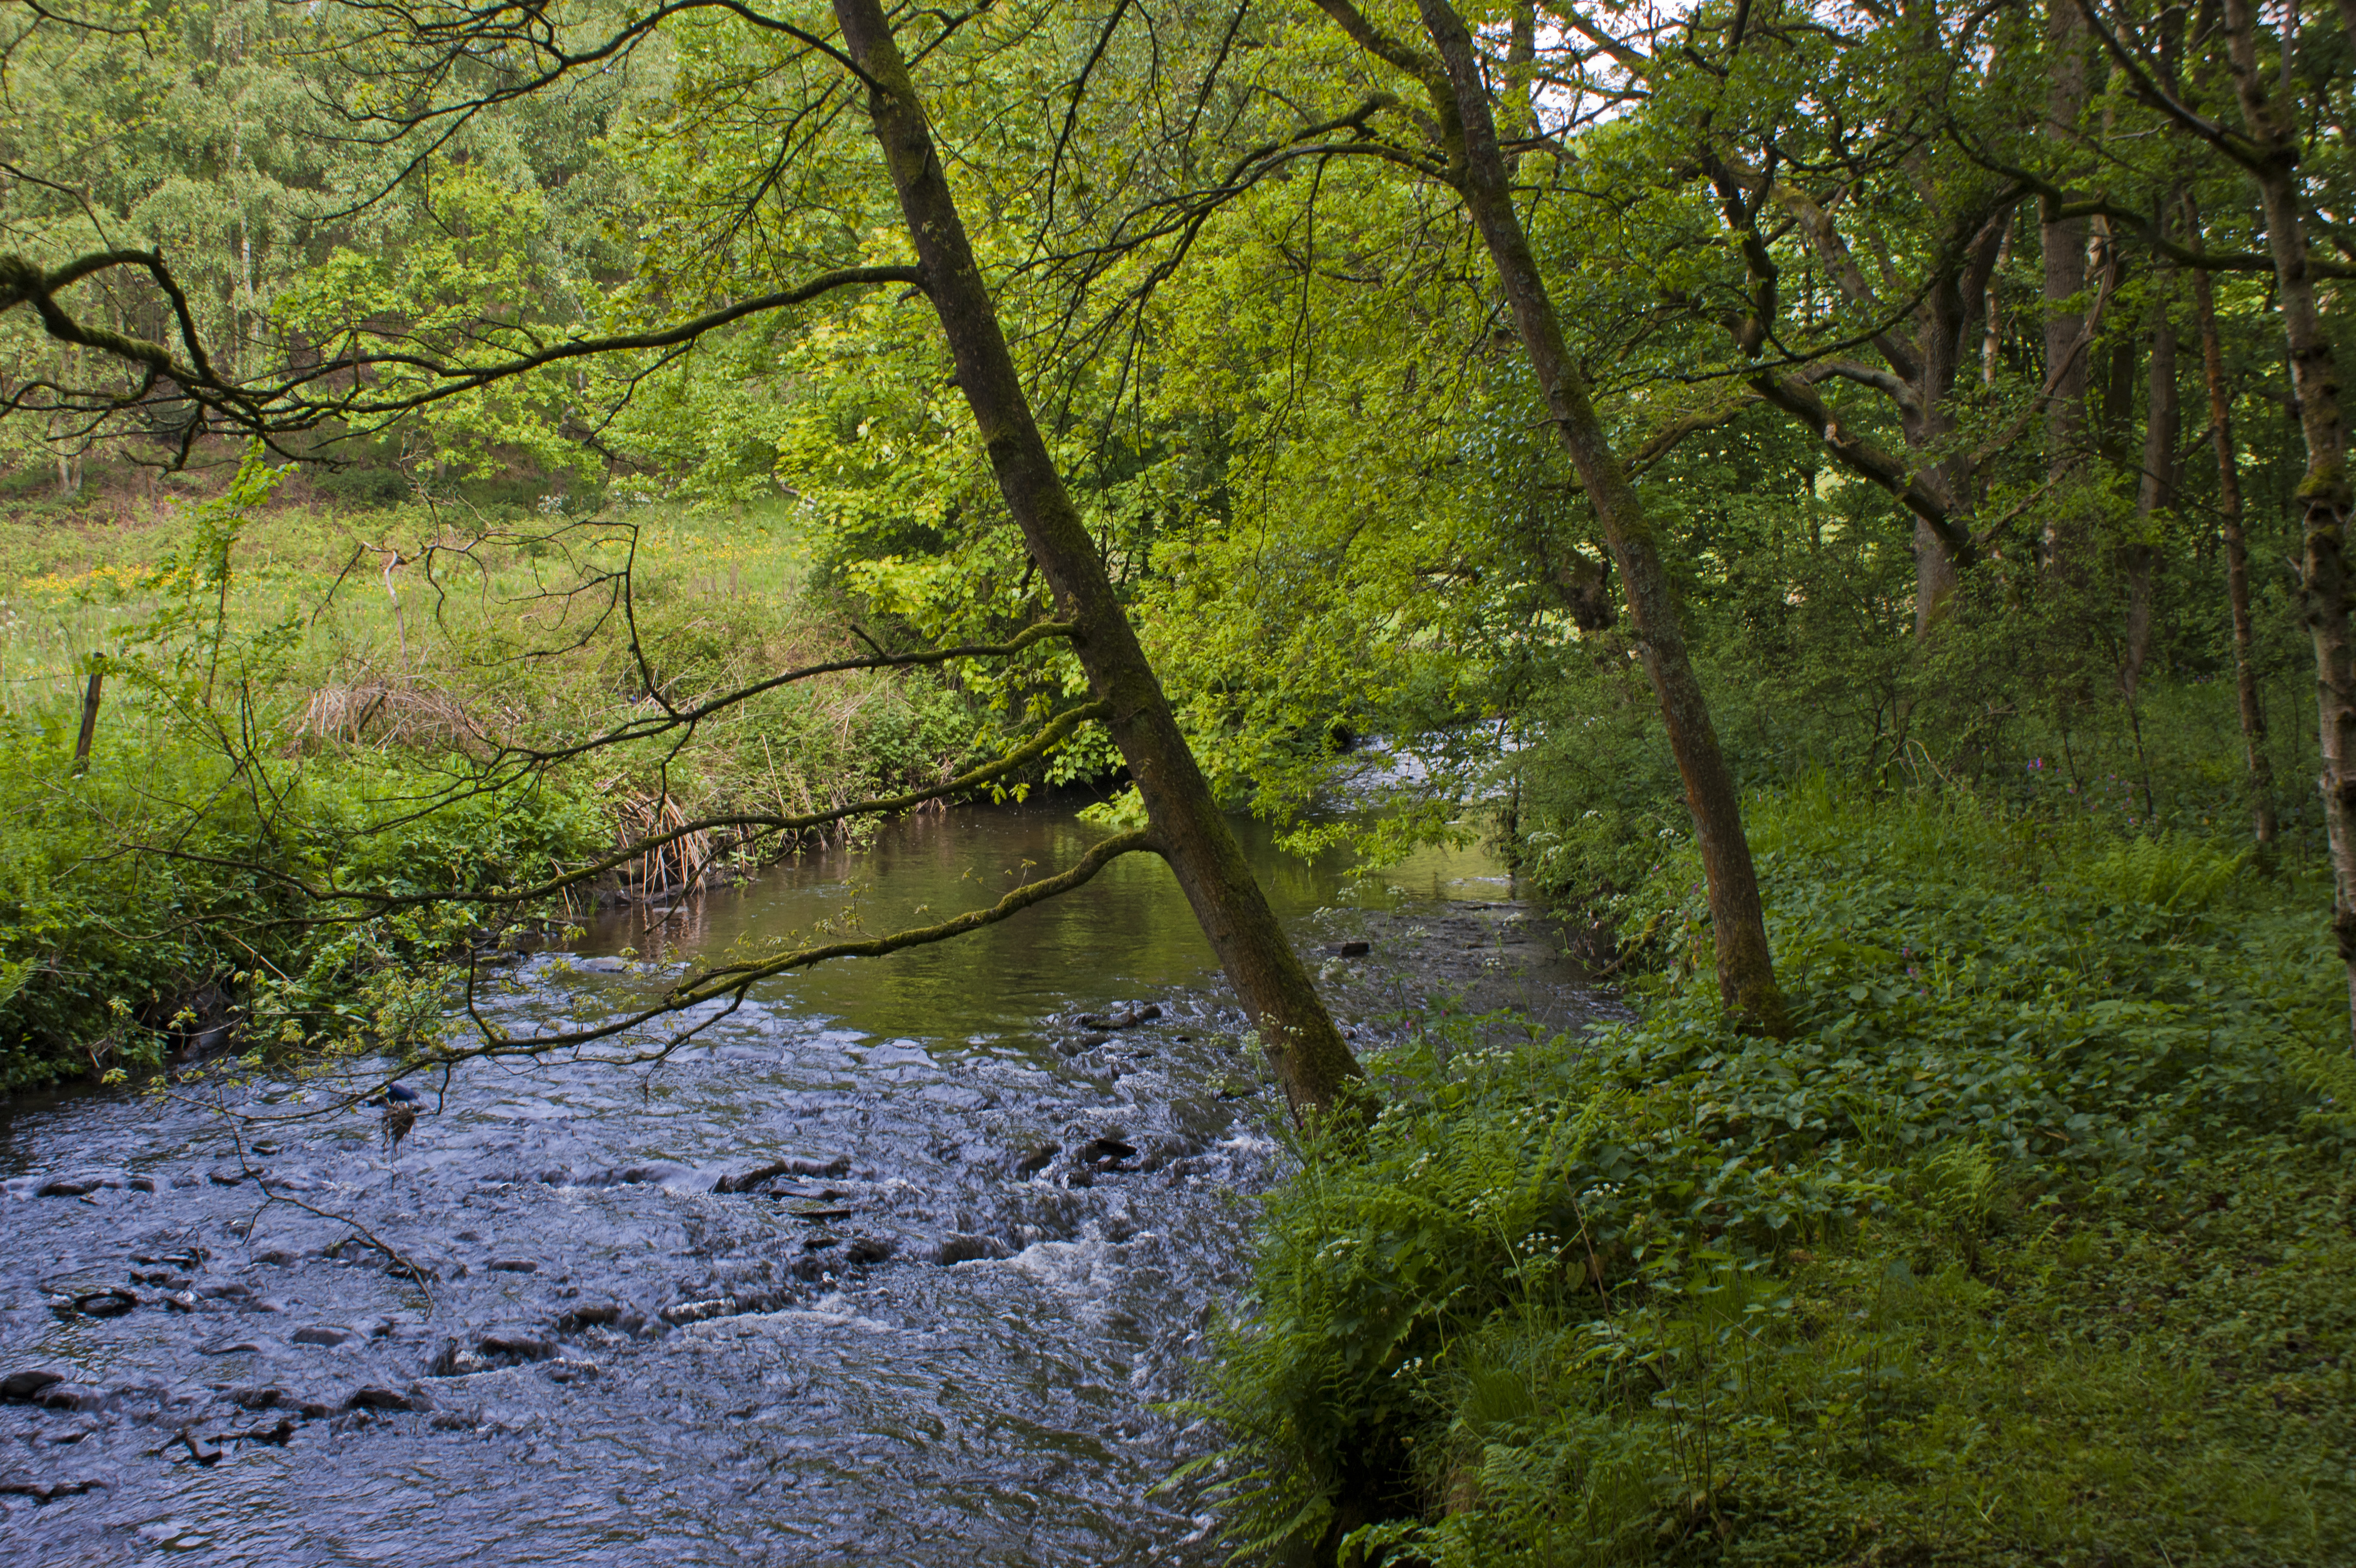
(2323, 494)
(2237, 552)
(1319, 1074)
(1746, 976)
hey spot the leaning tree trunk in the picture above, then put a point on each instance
(2323, 494)
(1746, 976)
(2237, 552)
(1319, 1074)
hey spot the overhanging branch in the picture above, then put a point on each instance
(729, 983)
(298, 401)
(1054, 734)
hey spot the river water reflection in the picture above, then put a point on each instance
(936, 1336)
(1127, 933)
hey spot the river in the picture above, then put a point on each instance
(941, 1336)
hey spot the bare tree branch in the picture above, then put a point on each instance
(729, 983)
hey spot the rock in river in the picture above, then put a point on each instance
(1106, 1151)
(375, 1397)
(963, 1247)
(595, 1314)
(76, 1185)
(27, 1383)
(513, 1344)
(48, 1491)
(798, 1165)
(1145, 1014)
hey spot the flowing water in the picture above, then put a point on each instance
(536, 1333)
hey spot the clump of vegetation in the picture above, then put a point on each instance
(151, 899)
(2029, 1246)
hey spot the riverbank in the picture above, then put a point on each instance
(294, 698)
(2032, 1245)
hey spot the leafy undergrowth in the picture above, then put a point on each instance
(2032, 1247)
(145, 899)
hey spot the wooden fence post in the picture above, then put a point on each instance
(89, 721)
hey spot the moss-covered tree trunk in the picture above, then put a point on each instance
(1190, 833)
(2272, 160)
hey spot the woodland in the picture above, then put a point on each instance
(1851, 498)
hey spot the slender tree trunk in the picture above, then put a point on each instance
(1319, 1074)
(70, 455)
(1992, 344)
(1746, 977)
(2155, 484)
(2237, 552)
(2065, 245)
(2323, 494)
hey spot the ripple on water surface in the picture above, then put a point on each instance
(934, 1334)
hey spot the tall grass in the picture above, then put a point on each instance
(433, 631)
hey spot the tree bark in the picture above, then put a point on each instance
(1320, 1076)
(1948, 315)
(2156, 481)
(1992, 344)
(2237, 552)
(1746, 977)
(2063, 240)
(2323, 494)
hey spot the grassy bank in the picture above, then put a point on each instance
(2032, 1247)
(298, 696)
